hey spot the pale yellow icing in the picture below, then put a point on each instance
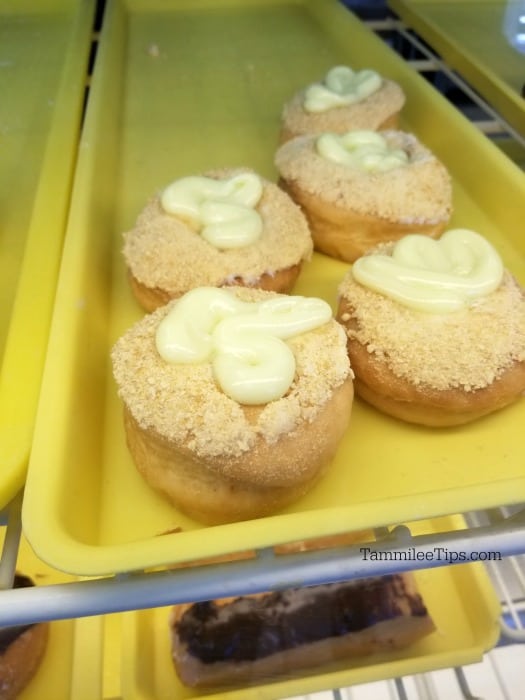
(243, 340)
(429, 275)
(341, 86)
(222, 211)
(362, 149)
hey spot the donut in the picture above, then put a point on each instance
(22, 649)
(342, 539)
(235, 400)
(436, 329)
(236, 641)
(363, 188)
(344, 100)
(225, 227)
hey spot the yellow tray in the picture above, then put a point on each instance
(473, 37)
(460, 599)
(72, 667)
(180, 87)
(43, 61)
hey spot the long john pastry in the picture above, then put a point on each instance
(235, 400)
(242, 640)
(436, 329)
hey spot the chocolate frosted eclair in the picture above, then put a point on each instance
(22, 648)
(232, 641)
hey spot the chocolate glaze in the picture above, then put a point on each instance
(9, 634)
(255, 627)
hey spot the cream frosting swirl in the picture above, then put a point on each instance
(429, 275)
(341, 86)
(366, 150)
(244, 341)
(222, 211)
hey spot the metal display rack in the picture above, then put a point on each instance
(497, 530)
(501, 529)
(426, 61)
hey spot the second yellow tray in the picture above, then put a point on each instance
(181, 87)
(460, 599)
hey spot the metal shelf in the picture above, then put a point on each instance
(427, 61)
(398, 550)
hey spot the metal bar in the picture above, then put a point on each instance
(464, 686)
(422, 65)
(511, 588)
(268, 571)
(400, 689)
(402, 29)
(384, 24)
(11, 543)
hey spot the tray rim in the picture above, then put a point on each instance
(91, 559)
(18, 410)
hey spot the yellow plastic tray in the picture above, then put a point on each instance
(184, 86)
(473, 38)
(43, 62)
(460, 599)
(72, 667)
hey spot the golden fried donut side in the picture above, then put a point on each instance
(282, 282)
(20, 661)
(259, 482)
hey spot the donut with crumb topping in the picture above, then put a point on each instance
(166, 256)
(430, 368)
(376, 111)
(353, 206)
(216, 458)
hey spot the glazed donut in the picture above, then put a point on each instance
(21, 651)
(438, 360)
(236, 641)
(364, 188)
(198, 435)
(343, 101)
(226, 227)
